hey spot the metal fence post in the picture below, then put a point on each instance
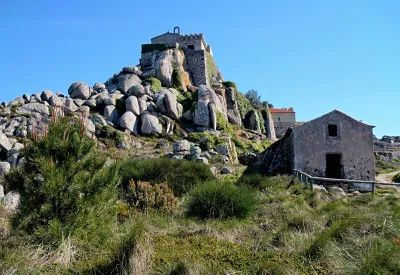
(373, 188)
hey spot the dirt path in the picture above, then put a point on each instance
(386, 177)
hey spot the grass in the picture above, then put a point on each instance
(180, 175)
(76, 218)
(221, 200)
(385, 167)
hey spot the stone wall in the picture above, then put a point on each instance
(196, 66)
(354, 143)
(166, 38)
(282, 127)
(278, 158)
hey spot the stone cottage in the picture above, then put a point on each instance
(334, 145)
(283, 120)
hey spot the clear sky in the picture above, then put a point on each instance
(314, 56)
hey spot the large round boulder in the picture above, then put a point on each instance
(132, 105)
(150, 124)
(130, 122)
(79, 90)
(126, 81)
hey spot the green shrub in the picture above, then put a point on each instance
(205, 141)
(257, 180)
(221, 200)
(180, 175)
(396, 178)
(69, 195)
(113, 137)
(222, 124)
(143, 195)
(188, 100)
(228, 84)
(243, 105)
(177, 79)
(155, 84)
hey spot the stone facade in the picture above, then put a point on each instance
(308, 148)
(199, 62)
(195, 42)
(196, 67)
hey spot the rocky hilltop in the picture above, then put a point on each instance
(157, 97)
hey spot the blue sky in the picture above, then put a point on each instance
(314, 56)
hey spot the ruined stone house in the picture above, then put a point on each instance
(334, 145)
(283, 120)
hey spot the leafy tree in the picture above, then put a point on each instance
(254, 98)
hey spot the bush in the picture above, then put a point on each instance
(257, 180)
(143, 195)
(205, 141)
(221, 200)
(222, 124)
(177, 79)
(155, 84)
(396, 178)
(180, 175)
(228, 84)
(188, 100)
(68, 195)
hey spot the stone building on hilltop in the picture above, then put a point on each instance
(332, 146)
(189, 54)
(283, 120)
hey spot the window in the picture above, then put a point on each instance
(190, 47)
(279, 118)
(332, 130)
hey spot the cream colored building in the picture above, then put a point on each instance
(283, 120)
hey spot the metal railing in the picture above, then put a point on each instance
(310, 180)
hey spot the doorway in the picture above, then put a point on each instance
(334, 166)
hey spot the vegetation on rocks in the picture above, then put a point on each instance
(155, 84)
(177, 79)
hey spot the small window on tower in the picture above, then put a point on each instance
(332, 130)
(190, 47)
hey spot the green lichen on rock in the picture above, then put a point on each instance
(155, 84)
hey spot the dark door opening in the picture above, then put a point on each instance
(333, 166)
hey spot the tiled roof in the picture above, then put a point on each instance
(275, 110)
